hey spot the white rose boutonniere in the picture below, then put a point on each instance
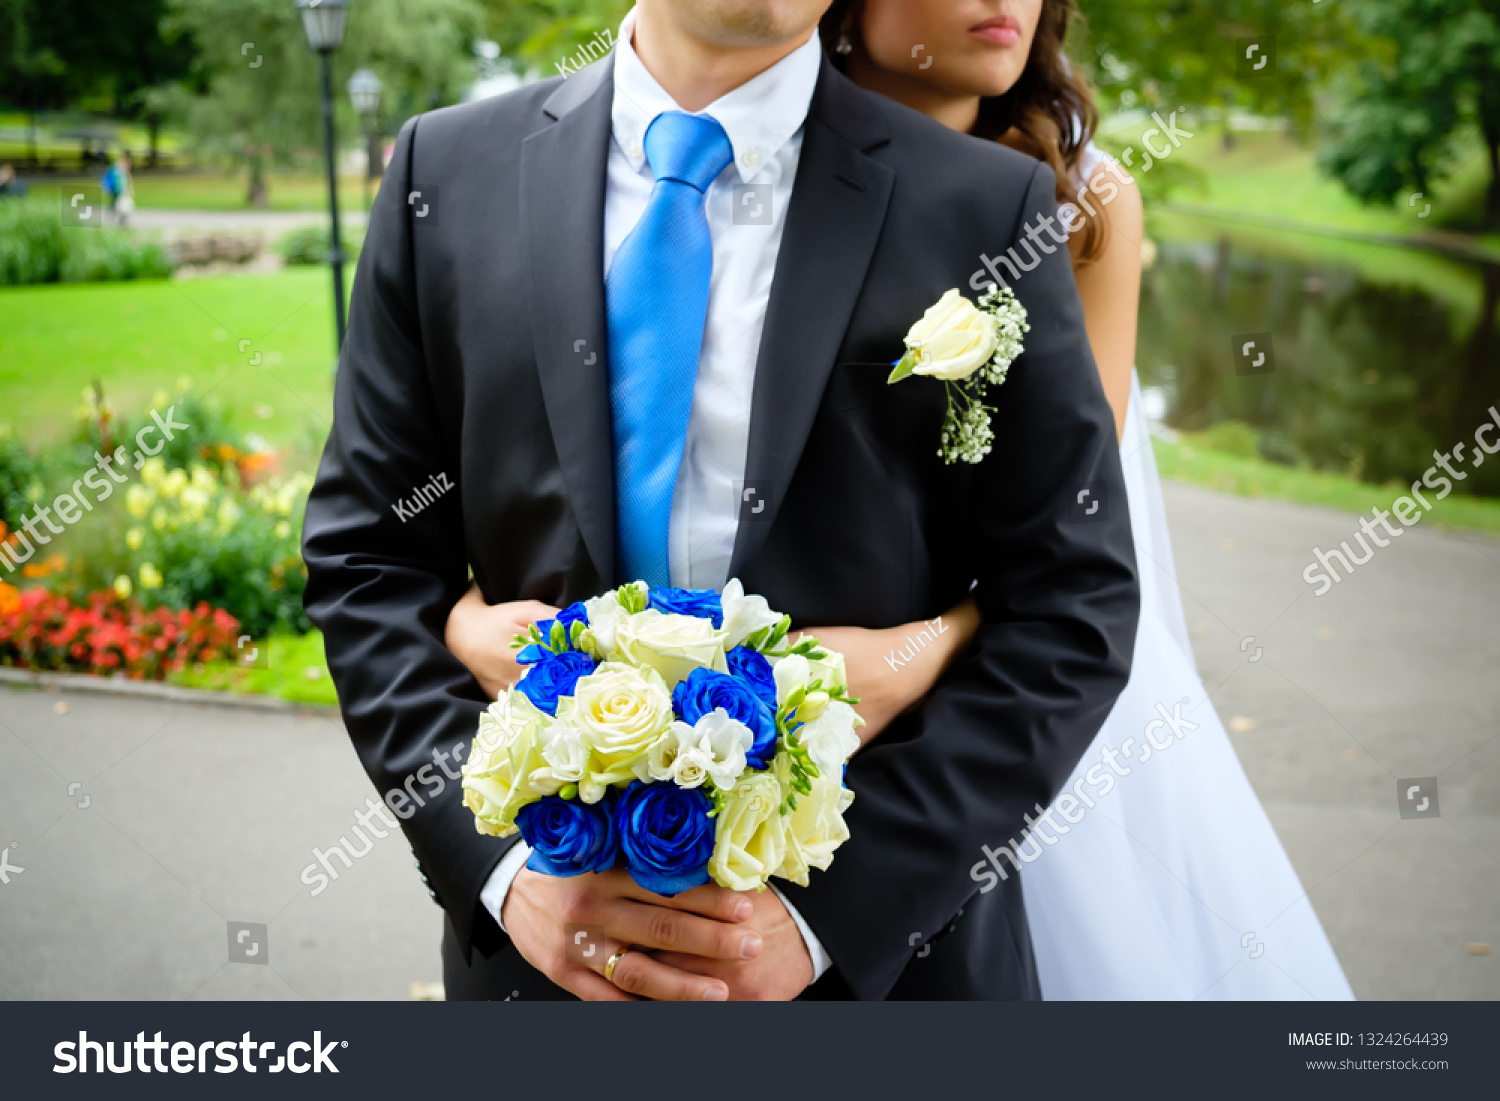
(969, 348)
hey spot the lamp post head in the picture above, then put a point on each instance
(364, 90)
(323, 20)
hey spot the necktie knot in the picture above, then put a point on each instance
(692, 149)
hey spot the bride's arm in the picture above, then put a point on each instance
(887, 688)
(1110, 290)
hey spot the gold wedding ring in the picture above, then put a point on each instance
(609, 968)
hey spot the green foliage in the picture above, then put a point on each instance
(35, 247)
(309, 245)
(542, 33)
(270, 113)
(24, 477)
(1405, 111)
(1170, 53)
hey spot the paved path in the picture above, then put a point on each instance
(272, 223)
(200, 816)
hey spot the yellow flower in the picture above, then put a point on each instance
(153, 472)
(134, 538)
(138, 500)
(123, 588)
(283, 529)
(194, 502)
(150, 576)
(174, 483)
(229, 513)
(203, 479)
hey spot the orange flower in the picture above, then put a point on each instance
(10, 597)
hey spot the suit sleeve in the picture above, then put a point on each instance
(383, 575)
(1003, 730)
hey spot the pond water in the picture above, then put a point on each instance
(1366, 371)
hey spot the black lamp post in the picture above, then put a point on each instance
(323, 20)
(364, 91)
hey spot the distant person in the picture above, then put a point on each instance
(119, 188)
(11, 185)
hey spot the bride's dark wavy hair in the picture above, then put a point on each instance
(1049, 113)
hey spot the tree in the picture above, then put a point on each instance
(1169, 53)
(541, 33)
(261, 105)
(1407, 111)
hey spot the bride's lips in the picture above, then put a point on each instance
(1003, 30)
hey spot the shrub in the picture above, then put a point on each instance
(107, 634)
(309, 245)
(36, 248)
(196, 539)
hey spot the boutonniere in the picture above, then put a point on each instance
(970, 348)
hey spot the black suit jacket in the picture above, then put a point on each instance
(476, 351)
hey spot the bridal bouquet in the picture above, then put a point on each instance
(678, 730)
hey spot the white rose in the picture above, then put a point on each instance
(743, 615)
(622, 712)
(507, 751)
(750, 837)
(830, 739)
(815, 829)
(953, 339)
(566, 754)
(673, 645)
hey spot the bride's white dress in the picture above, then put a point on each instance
(1174, 886)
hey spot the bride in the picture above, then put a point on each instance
(1171, 883)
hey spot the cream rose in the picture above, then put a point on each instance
(750, 839)
(673, 645)
(622, 712)
(507, 751)
(953, 339)
(815, 829)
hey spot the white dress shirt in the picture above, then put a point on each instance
(763, 119)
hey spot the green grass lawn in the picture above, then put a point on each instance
(228, 191)
(1270, 175)
(296, 669)
(142, 338)
(1188, 461)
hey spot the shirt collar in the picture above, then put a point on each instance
(760, 116)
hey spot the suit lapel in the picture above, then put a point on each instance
(563, 168)
(838, 207)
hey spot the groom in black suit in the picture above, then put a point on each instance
(477, 357)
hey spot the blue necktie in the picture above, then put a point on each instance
(656, 303)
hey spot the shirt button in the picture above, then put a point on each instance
(751, 158)
(637, 150)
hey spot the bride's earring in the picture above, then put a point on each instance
(843, 45)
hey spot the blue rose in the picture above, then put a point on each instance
(754, 670)
(706, 689)
(554, 676)
(698, 603)
(568, 836)
(573, 613)
(666, 836)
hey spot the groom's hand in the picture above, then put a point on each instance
(479, 635)
(709, 924)
(779, 973)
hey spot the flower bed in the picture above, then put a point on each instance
(107, 635)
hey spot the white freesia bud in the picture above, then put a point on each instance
(791, 673)
(953, 339)
(605, 616)
(830, 738)
(743, 615)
